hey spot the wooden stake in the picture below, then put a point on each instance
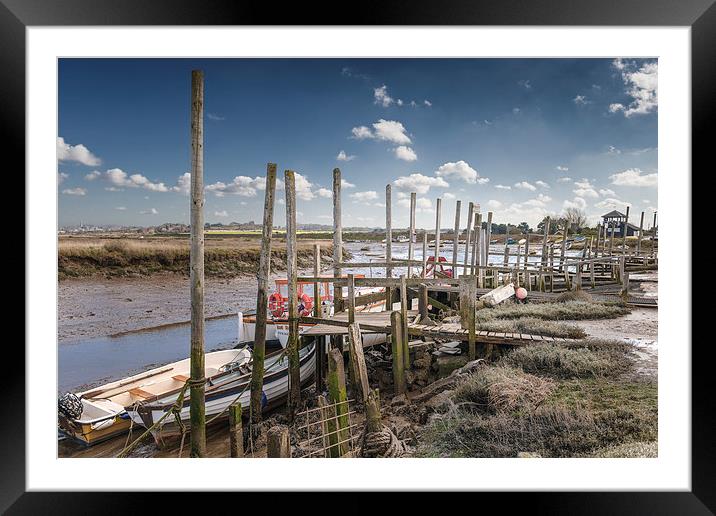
(425, 255)
(641, 234)
(294, 371)
(351, 299)
(456, 240)
(544, 241)
(278, 445)
(337, 239)
(468, 298)
(626, 230)
(423, 302)
(262, 277)
(236, 434)
(388, 244)
(489, 236)
(438, 204)
(328, 425)
(337, 394)
(196, 269)
(404, 317)
(477, 236)
(360, 371)
(563, 253)
(396, 334)
(466, 258)
(411, 230)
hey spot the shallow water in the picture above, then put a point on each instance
(90, 362)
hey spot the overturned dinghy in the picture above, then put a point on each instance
(221, 391)
(95, 415)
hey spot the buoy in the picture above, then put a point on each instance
(276, 306)
(521, 293)
(305, 305)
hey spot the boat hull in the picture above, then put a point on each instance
(275, 389)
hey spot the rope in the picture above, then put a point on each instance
(381, 444)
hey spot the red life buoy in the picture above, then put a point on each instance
(305, 305)
(276, 305)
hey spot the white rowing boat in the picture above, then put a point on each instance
(220, 393)
(98, 414)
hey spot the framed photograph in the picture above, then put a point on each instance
(431, 238)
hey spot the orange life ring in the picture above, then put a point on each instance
(305, 301)
(276, 304)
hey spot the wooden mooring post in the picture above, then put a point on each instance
(478, 248)
(489, 236)
(438, 206)
(425, 256)
(626, 230)
(474, 260)
(411, 230)
(337, 239)
(294, 371)
(456, 238)
(262, 279)
(544, 241)
(468, 299)
(197, 410)
(388, 244)
(278, 445)
(236, 434)
(357, 360)
(641, 234)
(337, 396)
(404, 317)
(466, 258)
(396, 339)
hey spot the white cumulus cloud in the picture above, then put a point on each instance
(384, 130)
(460, 170)
(524, 185)
(78, 153)
(634, 177)
(75, 191)
(405, 153)
(419, 183)
(342, 156)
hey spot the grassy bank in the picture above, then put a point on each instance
(550, 401)
(224, 258)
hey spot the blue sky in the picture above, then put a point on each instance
(521, 137)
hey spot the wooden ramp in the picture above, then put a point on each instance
(457, 332)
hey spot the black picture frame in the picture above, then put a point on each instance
(700, 15)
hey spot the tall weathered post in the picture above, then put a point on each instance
(544, 241)
(337, 395)
(476, 241)
(626, 230)
(425, 254)
(466, 258)
(197, 412)
(388, 245)
(438, 205)
(599, 235)
(404, 317)
(488, 237)
(563, 253)
(396, 334)
(294, 371)
(641, 234)
(477, 253)
(337, 239)
(262, 277)
(468, 297)
(456, 241)
(411, 230)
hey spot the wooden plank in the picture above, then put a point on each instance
(360, 371)
(294, 372)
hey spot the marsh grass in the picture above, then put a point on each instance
(569, 310)
(588, 359)
(495, 389)
(124, 257)
(533, 326)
